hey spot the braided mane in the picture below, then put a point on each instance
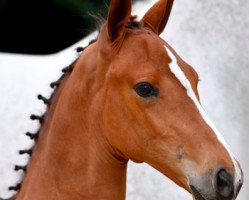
(48, 102)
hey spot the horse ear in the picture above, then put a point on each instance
(119, 14)
(157, 16)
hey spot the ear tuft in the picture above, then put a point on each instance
(119, 14)
(157, 16)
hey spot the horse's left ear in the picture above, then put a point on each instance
(157, 16)
(119, 14)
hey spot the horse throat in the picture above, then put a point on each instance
(72, 159)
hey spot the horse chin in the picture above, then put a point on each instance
(196, 194)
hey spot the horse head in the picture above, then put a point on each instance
(147, 100)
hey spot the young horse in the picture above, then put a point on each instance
(129, 96)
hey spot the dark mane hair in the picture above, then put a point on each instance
(133, 23)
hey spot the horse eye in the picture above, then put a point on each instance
(145, 89)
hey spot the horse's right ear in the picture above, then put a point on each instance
(119, 14)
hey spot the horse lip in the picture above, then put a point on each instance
(196, 193)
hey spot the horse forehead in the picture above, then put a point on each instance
(144, 45)
(147, 52)
(150, 48)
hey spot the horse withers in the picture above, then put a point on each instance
(129, 96)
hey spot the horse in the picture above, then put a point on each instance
(129, 96)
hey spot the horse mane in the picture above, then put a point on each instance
(56, 85)
(133, 23)
(48, 102)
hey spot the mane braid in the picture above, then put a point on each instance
(35, 136)
(133, 23)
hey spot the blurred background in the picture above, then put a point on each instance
(47, 26)
(39, 38)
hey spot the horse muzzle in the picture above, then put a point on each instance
(219, 185)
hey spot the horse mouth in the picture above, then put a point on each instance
(197, 195)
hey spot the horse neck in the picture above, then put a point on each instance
(72, 159)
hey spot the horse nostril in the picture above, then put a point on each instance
(224, 185)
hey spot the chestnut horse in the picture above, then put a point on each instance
(129, 96)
